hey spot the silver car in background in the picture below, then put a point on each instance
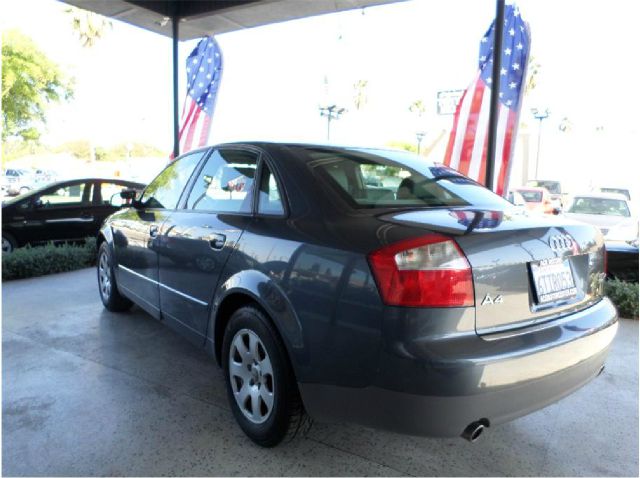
(611, 213)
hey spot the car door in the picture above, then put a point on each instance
(199, 237)
(59, 213)
(136, 232)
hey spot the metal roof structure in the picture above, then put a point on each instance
(213, 17)
(190, 19)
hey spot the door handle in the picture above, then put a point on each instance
(216, 241)
(153, 231)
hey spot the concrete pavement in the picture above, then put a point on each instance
(88, 392)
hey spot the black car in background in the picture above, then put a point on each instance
(361, 285)
(62, 211)
(622, 260)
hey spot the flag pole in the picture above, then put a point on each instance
(176, 122)
(495, 90)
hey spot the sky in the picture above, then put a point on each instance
(276, 77)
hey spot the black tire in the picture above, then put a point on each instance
(9, 243)
(287, 416)
(109, 293)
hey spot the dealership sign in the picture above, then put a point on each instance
(448, 100)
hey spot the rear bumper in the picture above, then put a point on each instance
(497, 380)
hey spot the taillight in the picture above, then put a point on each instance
(429, 271)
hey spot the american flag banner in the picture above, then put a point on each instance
(467, 147)
(204, 71)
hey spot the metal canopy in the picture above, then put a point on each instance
(213, 17)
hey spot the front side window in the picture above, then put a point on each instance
(269, 198)
(71, 195)
(165, 190)
(385, 179)
(225, 183)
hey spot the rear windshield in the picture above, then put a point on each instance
(552, 186)
(531, 196)
(602, 206)
(389, 179)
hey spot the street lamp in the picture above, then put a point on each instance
(540, 116)
(420, 136)
(332, 112)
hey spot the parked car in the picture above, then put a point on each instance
(537, 200)
(17, 181)
(63, 211)
(622, 260)
(429, 311)
(624, 192)
(612, 213)
(554, 188)
(44, 177)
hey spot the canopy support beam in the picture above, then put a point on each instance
(495, 90)
(176, 121)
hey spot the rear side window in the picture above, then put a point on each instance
(269, 198)
(165, 190)
(225, 183)
(107, 190)
(384, 179)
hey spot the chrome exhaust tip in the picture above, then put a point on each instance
(474, 430)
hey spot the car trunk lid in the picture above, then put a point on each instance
(526, 269)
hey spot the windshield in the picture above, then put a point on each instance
(390, 179)
(602, 206)
(552, 186)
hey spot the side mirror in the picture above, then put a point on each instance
(37, 203)
(556, 211)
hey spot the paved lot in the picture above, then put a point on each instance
(87, 392)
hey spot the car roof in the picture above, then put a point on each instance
(532, 189)
(33, 192)
(293, 144)
(620, 197)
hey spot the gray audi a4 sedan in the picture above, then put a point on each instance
(360, 285)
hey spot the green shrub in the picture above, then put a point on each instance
(624, 295)
(48, 259)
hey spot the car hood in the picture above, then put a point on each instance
(599, 220)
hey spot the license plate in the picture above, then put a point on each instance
(553, 280)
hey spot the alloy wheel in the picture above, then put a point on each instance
(104, 275)
(251, 376)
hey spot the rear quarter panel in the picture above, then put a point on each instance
(323, 300)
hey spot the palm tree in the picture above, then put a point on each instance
(418, 107)
(89, 26)
(533, 70)
(360, 94)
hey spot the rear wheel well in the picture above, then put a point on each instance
(227, 307)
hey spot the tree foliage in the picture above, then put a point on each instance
(30, 81)
(81, 149)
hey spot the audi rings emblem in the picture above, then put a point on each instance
(561, 242)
